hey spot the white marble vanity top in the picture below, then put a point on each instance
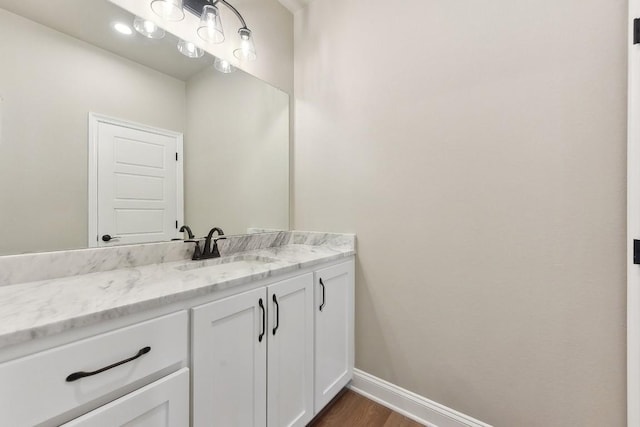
(46, 307)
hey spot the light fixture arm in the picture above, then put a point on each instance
(233, 9)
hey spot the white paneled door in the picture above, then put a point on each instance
(138, 183)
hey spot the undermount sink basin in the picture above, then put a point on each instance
(239, 261)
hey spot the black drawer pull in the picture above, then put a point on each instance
(323, 295)
(275, 301)
(264, 320)
(77, 375)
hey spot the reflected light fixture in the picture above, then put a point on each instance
(122, 28)
(148, 28)
(170, 10)
(210, 26)
(223, 66)
(189, 49)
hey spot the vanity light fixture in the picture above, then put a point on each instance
(189, 49)
(223, 66)
(210, 27)
(148, 28)
(247, 50)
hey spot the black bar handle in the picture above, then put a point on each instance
(77, 375)
(275, 328)
(264, 320)
(323, 295)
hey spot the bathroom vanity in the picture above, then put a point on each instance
(262, 336)
(141, 335)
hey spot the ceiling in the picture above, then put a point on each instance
(294, 5)
(92, 20)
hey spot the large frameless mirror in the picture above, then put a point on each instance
(106, 128)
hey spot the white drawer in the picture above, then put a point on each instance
(164, 403)
(35, 388)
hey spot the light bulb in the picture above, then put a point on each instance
(223, 66)
(210, 28)
(189, 49)
(148, 28)
(247, 50)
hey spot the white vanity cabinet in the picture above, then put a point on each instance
(272, 356)
(253, 357)
(334, 330)
(164, 403)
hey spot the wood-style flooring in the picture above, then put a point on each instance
(352, 410)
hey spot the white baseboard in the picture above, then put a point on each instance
(409, 404)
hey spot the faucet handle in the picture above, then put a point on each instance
(197, 253)
(215, 252)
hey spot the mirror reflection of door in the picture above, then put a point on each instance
(136, 173)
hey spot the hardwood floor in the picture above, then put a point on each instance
(352, 410)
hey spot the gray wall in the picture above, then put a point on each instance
(478, 151)
(49, 82)
(236, 153)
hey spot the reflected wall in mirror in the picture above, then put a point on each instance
(61, 63)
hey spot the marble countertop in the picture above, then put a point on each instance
(47, 307)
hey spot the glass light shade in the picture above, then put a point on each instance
(189, 49)
(223, 66)
(210, 28)
(171, 10)
(247, 50)
(148, 28)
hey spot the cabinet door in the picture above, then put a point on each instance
(334, 311)
(229, 345)
(164, 403)
(290, 354)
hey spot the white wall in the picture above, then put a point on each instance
(236, 154)
(478, 151)
(49, 82)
